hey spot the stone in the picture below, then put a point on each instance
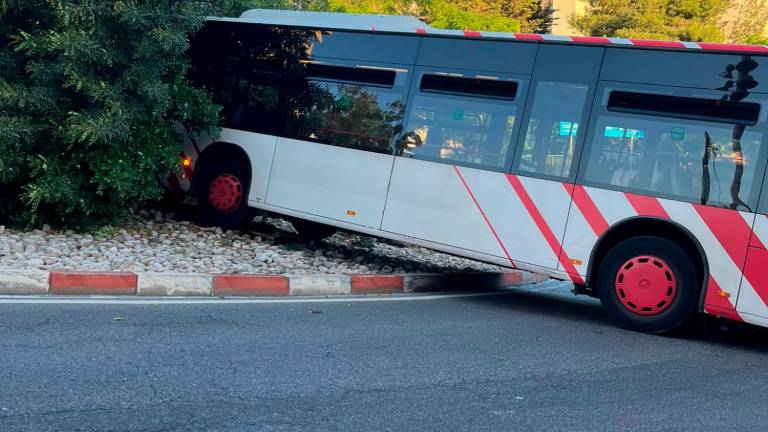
(181, 247)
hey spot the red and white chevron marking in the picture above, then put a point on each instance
(707, 46)
(527, 217)
(724, 235)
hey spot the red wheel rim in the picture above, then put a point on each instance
(646, 285)
(225, 193)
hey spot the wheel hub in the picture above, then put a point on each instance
(225, 193)
(646, 285)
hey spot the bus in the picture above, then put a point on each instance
(633, 168)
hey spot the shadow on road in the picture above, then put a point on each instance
(587, 313)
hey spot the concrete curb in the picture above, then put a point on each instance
(39, 282)
(24, 282)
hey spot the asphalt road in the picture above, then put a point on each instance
(524, 361)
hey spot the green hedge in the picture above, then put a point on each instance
(89, 93)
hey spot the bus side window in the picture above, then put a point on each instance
(347, 107)
(697, 150)
(462, 120)
(254, 105)
(243, 66)
(550, 139)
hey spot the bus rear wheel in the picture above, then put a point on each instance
(221, 191)
(648, 284)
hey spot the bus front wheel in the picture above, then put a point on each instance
(648, 284)
(221, 191)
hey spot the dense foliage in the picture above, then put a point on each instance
(693, 20)
(747, 22)
(90, 91)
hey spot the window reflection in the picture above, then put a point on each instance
(551, 136)
(460, 130)
(697, 161)
(266, 82)
(247, 69)
(350, 115)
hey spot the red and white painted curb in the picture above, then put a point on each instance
(40, 282)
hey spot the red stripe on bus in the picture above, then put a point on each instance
(472, 33)
(421, 31)
(485, 218)
(732, 47)
(756, 272)
(730, 230)
(647, 206)
(527, 36)
(657, 44)
(588, 209)
(590, 39)
(734, 234)
(545, 230)
(717, 305)
(755, 240)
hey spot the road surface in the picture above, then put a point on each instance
(535, 359)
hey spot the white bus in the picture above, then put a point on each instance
(633, 168)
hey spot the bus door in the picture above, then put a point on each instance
(337, 159)
(459, 134)
(451, 182)
(752, 302)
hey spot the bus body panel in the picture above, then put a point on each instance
(753, 296)
(529, 215)
(260, 149)
(429, 201)
(380, 48)
(338, 183)
(722, 233)
(488, 56)
(478, 210)
(678, 69)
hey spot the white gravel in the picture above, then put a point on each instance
(159, 244)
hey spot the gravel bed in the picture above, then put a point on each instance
(159, 243)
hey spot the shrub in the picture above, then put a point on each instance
(90, 91)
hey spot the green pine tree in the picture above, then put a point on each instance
(692, 20)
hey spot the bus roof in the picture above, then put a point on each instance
(412, 25)
(338, 21)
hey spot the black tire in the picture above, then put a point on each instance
(679, 310)
(240, 214)
(312, 231)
